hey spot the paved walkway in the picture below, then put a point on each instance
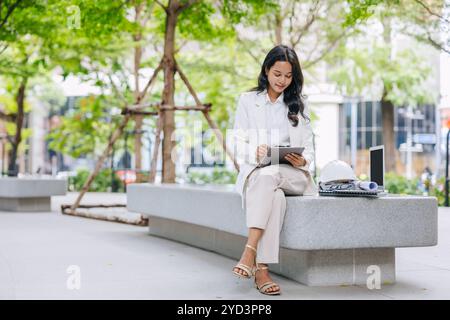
(120, 261)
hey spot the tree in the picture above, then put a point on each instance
(375, 64)
(427, 21)
(171, 13)
(195, 20)
(32, 48)
(313, 28)
(20, 62)
(7, 8)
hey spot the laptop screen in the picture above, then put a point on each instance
(377, 166)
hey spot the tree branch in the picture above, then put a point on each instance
(247, 49)
(291, 21)
(4, 48)
(435, 44)
(8, 117)
(116, 90)
(269, 27)
(9, 12)
(326, 50)
(183, 43)
(309, 22)
(186, 5)
(162, 6)
(431, 12)
(205, 111)
(150, 82)
(188, 85)
(427, 39)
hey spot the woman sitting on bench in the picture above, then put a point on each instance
(275, 105)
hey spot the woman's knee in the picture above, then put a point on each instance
(263, 181)
(279, 194)
(279, 198)
(267, 177)
(270, 171)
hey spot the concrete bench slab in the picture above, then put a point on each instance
(324, 240)
(29, 194)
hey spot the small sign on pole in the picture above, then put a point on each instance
(424, 138)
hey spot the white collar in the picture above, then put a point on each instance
(268, 101)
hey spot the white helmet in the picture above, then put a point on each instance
(337, 171)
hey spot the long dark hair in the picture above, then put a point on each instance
(293, 94)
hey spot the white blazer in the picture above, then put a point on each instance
(248, 132)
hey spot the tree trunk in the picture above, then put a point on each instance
(387, 115)
(168, 166)
(138, 119)
(278, 29)
(20, 99)
(387, 109)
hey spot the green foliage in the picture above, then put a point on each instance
(437, 190)
(68, 33)
(86, 130)
(9, 105)
(229, 74)
(219, 175)
(372, 62)
(101, 183)
(402, 76)
(361, 10)
(50, 95)
(425, 21)
(398, 184)
(198, 22)
(215, 20)
(246, 11)
(72, 34)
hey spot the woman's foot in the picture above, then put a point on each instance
(247, 263)
(264, 282)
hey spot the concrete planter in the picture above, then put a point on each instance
(29, 194)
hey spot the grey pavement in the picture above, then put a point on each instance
(120, 261)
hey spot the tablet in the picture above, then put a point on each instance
(276, 155)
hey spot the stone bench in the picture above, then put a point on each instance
(29, 194)
(324, 240)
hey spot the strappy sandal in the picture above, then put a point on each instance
(249, 270)
(267, 285)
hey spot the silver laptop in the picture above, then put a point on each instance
(377, 168)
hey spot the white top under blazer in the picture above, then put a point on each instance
(276, 124)
(256, 116)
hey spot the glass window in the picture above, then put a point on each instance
(419, 126)
(348, 114)
(377, 107)
(379, 140)
(432, 114)
(369, 138)
(401, 123)
(400, 137)
(360, 111)
(369, 114)
(360, 140)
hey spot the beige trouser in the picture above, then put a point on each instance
(265, 204)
